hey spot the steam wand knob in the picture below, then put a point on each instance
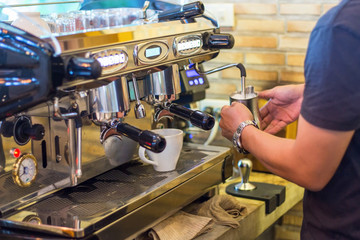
(23, 131)
(79, 67)
(218, 41)
(186, 11)
(36, 132)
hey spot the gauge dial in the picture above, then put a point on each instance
(32, 219)
(25, 170)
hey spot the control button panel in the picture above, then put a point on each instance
(193, 78)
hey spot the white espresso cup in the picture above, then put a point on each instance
(166, 160)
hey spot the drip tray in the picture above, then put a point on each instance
(114, 196)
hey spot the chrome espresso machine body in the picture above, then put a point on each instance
(75, 106)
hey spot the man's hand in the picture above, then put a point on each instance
(282, 108)
(231, 117)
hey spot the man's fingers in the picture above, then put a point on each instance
(266, 121)
(224, 107)
(266, 94)
(275, 127)
(264, 111)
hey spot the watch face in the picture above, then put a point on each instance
(25, 170)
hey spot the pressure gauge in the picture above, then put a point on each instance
(32, 219)
(25, 170)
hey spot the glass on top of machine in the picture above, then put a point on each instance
(43, 17)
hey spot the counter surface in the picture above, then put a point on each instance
(256, 221)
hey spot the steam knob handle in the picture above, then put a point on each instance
(79, 67)
(189, 10)
(197, 118)
(218, 41)
(6, 129)
(147, 139)
(36, 132)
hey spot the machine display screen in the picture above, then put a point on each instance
(189, 44)
(111, 60)
(152, 52)
(192, 73)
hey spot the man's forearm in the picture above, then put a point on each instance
(270, 150)
(309, 161)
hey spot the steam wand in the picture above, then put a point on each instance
(240, 66)
(139, 108)
(75, 142)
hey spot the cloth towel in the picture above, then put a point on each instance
(181, 226)
(223, 209)
(198, 219)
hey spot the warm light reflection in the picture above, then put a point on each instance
(85, 65)
(15, 81)
(26, 81)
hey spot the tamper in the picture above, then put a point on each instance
(273, 195)
(244, 167)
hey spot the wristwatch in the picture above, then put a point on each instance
(237, 135)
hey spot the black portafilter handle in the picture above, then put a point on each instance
(79, 67)
(147, 139)
(218, 40)
(189, 10)
(197, 118)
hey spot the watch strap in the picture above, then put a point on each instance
(237, 135)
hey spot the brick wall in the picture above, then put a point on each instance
(271, 38)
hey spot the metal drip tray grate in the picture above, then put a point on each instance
(11, 196)
(96, 202)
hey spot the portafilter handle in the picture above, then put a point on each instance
(197, 118)
(147, 139)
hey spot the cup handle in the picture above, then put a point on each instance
(144, 159)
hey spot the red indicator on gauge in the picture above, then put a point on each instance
(15, 152)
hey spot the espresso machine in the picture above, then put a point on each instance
(76, 104)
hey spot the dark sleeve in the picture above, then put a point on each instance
(332, 79)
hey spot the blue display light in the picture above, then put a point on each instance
(201, 80)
